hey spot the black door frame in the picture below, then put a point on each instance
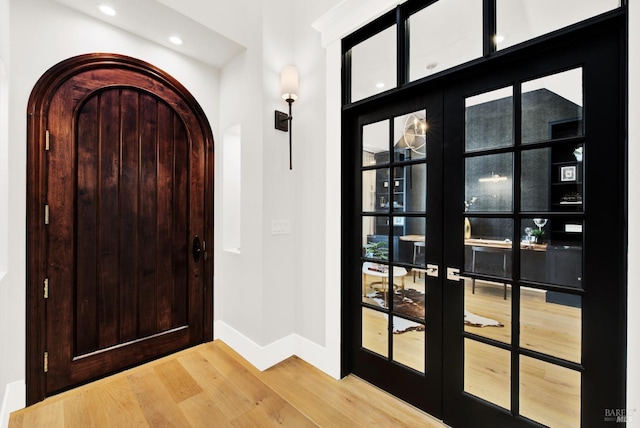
(606, 345)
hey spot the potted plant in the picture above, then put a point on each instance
(537, 236)
(376, 250)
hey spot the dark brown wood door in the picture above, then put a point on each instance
(125, 176)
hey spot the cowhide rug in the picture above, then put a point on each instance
(413, 305)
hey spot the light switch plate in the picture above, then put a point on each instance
(280, 227)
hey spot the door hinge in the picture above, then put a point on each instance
(46, 362)
(46, 214)
(46, 140)
(46, 288)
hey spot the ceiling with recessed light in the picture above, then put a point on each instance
(156, 22)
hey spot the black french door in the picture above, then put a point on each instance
(484, 237)
(396, 317)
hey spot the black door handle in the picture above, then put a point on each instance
(196, 249)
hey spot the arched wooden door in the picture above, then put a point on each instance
(120, 200)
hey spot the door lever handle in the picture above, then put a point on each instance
(432, 270)
(196, 249)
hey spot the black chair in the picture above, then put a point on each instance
(494, 250)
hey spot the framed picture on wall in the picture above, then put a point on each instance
(567, 173)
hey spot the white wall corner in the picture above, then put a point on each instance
(14, 399)
(324, 359)
(262, 357)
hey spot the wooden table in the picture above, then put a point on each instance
(494, 243)
(368, 268)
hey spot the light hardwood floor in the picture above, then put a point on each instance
(212, 386)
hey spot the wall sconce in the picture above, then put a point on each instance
(289, 91)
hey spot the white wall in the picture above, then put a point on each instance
(6, 376)
(270, 298)
(43, 33)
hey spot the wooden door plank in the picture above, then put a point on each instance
(165, 186)
(87, 233)
(182, 238)
(148, 216)
(108, 217)
(129, 225)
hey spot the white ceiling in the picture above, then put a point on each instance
(154, 21)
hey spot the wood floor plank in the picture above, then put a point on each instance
(113, 404)
(156, 402)
(202, 412)
(336, 403)
(215, 386)
(271, 405)
(51, 415)
(231, 402)
(177, 381)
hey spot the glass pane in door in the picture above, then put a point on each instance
(552, 178)
(489, 120)
(409, 343)
(521, 20)
(410, 188)
(411, 242)
(375, 143)
(552, 107)
(487, 311)
(551, 323)
(487, 372)
(373, 65)
(410, 133)
(489, 183)
(551, 250)
(433, 47)
(549, 394)
(374, 331)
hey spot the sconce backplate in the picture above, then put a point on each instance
(282, 121)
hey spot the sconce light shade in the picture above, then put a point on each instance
(289, 83)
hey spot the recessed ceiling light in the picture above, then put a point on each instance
(107, 10)
(379, 85)
(432, 65)
(175, 40)
(498, 38)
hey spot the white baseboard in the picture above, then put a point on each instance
(263, 357)
(14, 399)
(318, 356)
